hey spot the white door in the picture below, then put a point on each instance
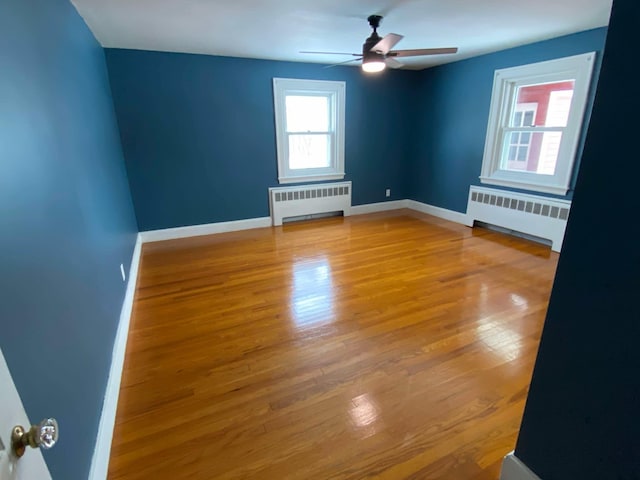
(31, 465)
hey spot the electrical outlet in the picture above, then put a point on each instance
(124, 276)
(388, 192)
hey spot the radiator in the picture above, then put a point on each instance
(309, 200)
(531, 214)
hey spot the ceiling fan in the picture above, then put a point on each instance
(377, 54)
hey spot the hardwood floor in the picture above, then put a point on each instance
(391, 346)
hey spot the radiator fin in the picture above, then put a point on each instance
(537, 208)
(306, 200)
(541, 217)
(307, 192)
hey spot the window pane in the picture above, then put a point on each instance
(522, 154)
(308, 151)
(517, 119)
(531, 152)
(307, 113)
(544, 104)
(528, 118)
(559, 106)
(549, 153)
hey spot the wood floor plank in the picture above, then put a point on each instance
(392, 345)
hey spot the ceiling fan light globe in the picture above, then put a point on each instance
(373, 67)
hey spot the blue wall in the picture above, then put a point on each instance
(67, 221)
(199, 136)
(454, 102)
(581, 419)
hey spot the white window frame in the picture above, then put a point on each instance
(505, 86)
(335, 92)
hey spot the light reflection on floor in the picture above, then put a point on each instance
(364, 414)
(519, 301)
(496, 334)
(312, 293)
(500, 339)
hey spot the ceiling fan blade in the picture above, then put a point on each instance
(343, 63)
(336, 53)
(393, 63)
(422, 51)
(387, 43)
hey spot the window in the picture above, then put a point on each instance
(309, 129)
(536, 116)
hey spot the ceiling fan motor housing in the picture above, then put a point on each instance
(369, 43)
(367, 54)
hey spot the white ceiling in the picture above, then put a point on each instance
(279, 29)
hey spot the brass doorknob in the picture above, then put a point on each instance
(43, 435)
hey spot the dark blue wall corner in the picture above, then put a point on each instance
(581, 416)
(454, 101)
(198, 133)
(67, 221)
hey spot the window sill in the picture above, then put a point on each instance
(311, 178)
(536, 187)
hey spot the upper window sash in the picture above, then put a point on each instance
(330, 104)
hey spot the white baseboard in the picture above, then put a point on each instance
(262, 222)
(439, 212)
(100, 461)
(514, 469)
(205, 229)
(378, 207)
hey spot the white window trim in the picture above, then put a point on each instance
(336, 93)
(579, 67)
